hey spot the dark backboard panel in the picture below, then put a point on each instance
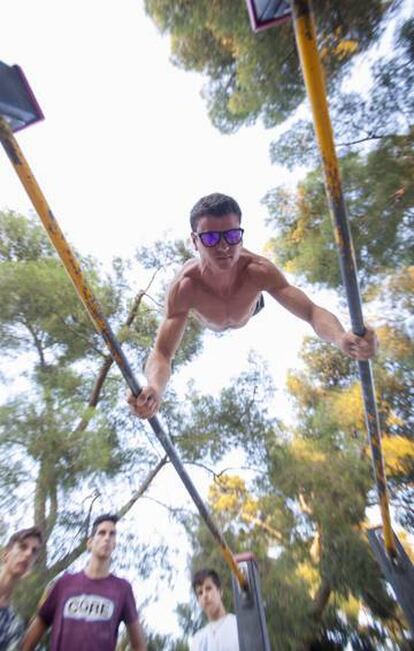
(266, 13)
(18, 105)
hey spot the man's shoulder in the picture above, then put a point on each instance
(255, 260)
(11, 628)
(66, 577)
(188, 273)
(229, 625)
(261, 270)
(120, 581)
(10, 618)
(198, 638)
(182, 287)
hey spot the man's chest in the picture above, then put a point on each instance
(220, 310)
(89, 607)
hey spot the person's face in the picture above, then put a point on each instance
(209, 598)
(19, 559)
(223, 256)
(103, 542)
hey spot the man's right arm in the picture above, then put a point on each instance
(158, 366)
(34, 634)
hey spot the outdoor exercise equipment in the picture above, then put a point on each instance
(263, 14)
(248, 605)
(18, 108)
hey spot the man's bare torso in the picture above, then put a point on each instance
(220, 300)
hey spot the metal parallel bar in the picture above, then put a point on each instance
(95, 312)
(399, 575)
(305, 34)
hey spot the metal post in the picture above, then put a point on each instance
(249, 608)
(305, 33)
(95, 312)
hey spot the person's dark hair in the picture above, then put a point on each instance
(214, 205)
(22, 534)
(106, 517)
(206, 573)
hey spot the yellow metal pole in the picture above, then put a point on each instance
(305, 33)
(94, 310)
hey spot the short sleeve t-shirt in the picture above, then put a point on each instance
(11, 629)
(85, 613)
(217, 636)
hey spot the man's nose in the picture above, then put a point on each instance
(222, 242)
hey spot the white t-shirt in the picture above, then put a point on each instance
(217, 636)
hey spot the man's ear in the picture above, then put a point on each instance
(194, 239)
(89, 543)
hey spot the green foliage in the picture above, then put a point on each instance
(360, 119)
(304, 514)
(67, 440)
(237, 417)
(251, 76)
(304, 243)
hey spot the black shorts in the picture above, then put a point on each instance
(259, 305)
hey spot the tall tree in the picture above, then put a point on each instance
(376, 130)
(251, 76)
(65, 433)
(304, 514)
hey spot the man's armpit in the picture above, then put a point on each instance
(179, 300)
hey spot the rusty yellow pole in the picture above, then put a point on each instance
(305, 33)
(95, 312)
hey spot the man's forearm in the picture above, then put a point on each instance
(33, 635)
(158, 372)
(326, 325)
(136, 637)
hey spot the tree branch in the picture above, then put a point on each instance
(70, 557)
(104, 370)
(357, 142)
(321, 600)
(262, 525)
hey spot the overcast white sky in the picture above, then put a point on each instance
(124, 152)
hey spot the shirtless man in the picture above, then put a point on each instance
(223, 288)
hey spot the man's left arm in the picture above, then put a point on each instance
(136, 636)
(324, 323)
(131, 618)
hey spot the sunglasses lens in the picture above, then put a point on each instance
(233, 236)
(210, 238)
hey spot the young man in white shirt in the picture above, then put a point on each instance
(220, 634)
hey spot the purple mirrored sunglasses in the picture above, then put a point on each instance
(211, 238)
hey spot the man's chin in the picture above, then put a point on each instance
(225, 263)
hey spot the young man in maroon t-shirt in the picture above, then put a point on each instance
(86, 608)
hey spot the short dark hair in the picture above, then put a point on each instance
(22, 534)
(203, 574)
(214, 205)
(106, 517)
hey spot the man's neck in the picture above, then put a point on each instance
(218, 614)
(97, 568)
(222, 281)
(7, 584)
